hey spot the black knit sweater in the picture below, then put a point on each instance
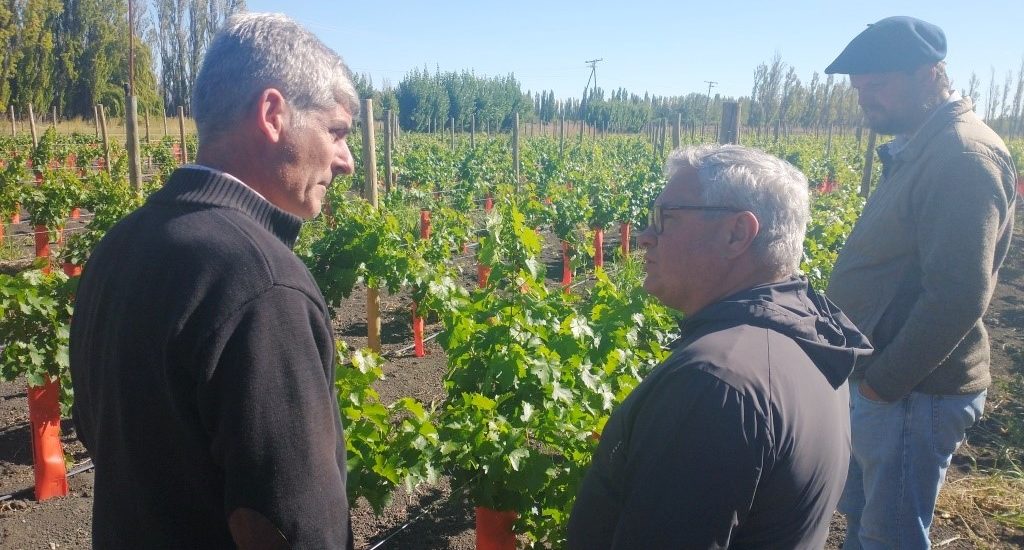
(202, 359)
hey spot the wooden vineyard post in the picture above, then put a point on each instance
(869, 161)
(96, 118)
(417, 319)
(388, 144)
(145, 115)
(165, 125)
(47, 452)
(103, 134)
(472, 131)
(54, 117)
(730, 129)
(598, 247)
(181, 133)
(14, 126)
(676, 129)
(452, 120)
(515, 150)
(132, 130)
(561, 136)
(488, 204)
(624, 238)
(32, 128)
(370, 194)
(494, 529)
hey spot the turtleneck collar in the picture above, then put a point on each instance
(202, 186)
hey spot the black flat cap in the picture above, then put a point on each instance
(892, 44)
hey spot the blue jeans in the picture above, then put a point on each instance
(901, 451)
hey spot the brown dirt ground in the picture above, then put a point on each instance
(441, 519)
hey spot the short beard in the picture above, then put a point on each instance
(908, 121)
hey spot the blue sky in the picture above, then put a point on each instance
(664, 47)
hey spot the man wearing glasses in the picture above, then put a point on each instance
(740, 438)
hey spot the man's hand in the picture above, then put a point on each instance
(251, 530)
(867, 393)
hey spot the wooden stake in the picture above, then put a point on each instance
(32, 127)
(730, 128)
(181, 132)
(515, 149)
(54, 117)
(869, 160)
(472, 131)
(676, 131)
(388, 143)
(132, 133)
(14, 128)
(96, 119)
(370, 194)
(561, 134)
(103, 133)
(145, 113)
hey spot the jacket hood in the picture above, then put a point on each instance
(794, 309)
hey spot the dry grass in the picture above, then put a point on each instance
(115, 127)
(986, 505)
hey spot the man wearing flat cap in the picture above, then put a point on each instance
(916, 276)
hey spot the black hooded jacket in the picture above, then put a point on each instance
(740, 439)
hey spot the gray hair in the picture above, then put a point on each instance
(256, 51)
(769, 187)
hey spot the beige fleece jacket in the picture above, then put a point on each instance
(918, 270)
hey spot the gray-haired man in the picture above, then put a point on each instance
(202, 353)
(916, 276)
(740, 437)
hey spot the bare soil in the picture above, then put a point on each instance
(436, 516)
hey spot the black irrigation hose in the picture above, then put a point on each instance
(395, 353)
(423, 513)
(83, 467)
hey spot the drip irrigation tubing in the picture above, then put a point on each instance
(82, 467)
(423, 512)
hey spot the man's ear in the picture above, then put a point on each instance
(740, 234)
(271, 114)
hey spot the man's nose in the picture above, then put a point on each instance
(343, 162)
(646, 238)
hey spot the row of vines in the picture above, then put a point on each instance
(534, 368)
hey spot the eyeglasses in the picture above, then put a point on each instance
(655, 218)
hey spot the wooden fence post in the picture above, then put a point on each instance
(561, 136)
(515, 149)
(370, 194)
(103, 132)
(730, 129)
(181, 133)
(869, 160)
(388, 144)
(32, 128)
(131, 122)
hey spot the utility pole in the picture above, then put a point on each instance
(707, 102)
(583, 101)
